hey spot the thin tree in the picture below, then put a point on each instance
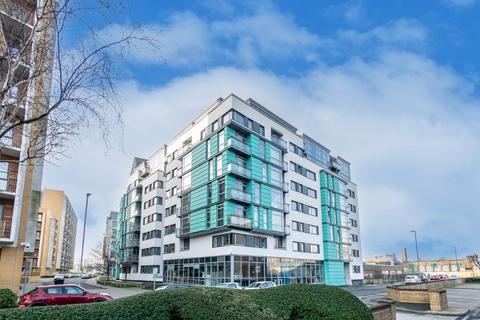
(51, 84)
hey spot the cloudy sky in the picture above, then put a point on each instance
(391, 86)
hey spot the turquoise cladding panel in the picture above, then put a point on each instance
(199, 154)
(256, 166)
(213, 217)
(200, 175)
(254, 143)
(198, 220)
(266, 195)
(214, 185)
(334, 273)
(198, 198)
(214, 145)
(267, 151)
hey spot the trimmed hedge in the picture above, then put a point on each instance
(306, 302)
(8, 299)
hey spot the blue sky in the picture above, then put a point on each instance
(391, 86)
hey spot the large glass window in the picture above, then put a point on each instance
(187, 181)
(3, 175)
(277, 221)
(262, 148)
(211, 169)
(219, 166)
(276, 176)
(221, 140)
(277, 199)
(255, 217)
(276, 156)
(265, 172)
(187, 162)
(257, 196)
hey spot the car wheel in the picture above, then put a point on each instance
(100, 301)
(38, 305)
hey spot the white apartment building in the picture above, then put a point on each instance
(239, 195)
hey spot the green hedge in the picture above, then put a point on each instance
(8, 299)
(284, 302)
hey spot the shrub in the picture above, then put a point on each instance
(306, 302)
(8, 299)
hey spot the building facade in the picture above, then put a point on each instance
(383, 269)
(55, 235)
(109, 243)
(21, 175)
(240, 195)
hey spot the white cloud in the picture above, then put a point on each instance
(460, 3)
(407, 124)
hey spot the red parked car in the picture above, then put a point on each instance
(436, 277)
(60, 294)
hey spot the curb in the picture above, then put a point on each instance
(438, 313)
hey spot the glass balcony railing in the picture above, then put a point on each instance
(238, 145)
(132, 243)
(285, 187)
(239, 170)
(286, 208)
(279, 142)
(239, 221)
(277, 205)
(285, 166)
(239, 195)
(5, 227)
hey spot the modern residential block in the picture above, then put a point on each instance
(240, 195)
(21, 175)
(109, 242)
(55, 236)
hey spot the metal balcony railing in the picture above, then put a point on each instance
(18, 12)
(238, 145)
(5, 227)
(239, 195)
(239, 221)
(9, 184)
(239, 170)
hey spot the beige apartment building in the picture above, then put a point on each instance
(55, 235)
(20, 175)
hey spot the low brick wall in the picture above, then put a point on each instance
(384, 311)
(436, 299)
(441, 284)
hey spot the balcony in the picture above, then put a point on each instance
(239, 222)
(285, 166)
(239, 170)
(5, 227)
(238, 145)
(286, 208)
(17, 12)
(130, 258)
(279, 142)
(132, 243)
(182, 232)
(277, 205)
(9, 185)
(239, 195)
(285, 187)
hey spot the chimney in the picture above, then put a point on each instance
(404, 255)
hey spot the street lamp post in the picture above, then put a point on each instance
(416, 248)
(84, 226)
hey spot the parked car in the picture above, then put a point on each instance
(60, 294)
(173, 286)
(229, 285)
(58, 278)
(412, 279)
(261, 285)
(436, 277)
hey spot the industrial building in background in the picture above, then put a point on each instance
(109, 243)
(240, 195)
(20, 173)
(55, 236)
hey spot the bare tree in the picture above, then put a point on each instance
(52, 85)
(97, 258)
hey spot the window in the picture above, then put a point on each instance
(305, 247)
(256, 194)
(355, 253)
(262, 148)
(152, 251)
(187, 162)
(215, 125)
(209, 148)
(152, 218)
(300, 207)
(169, 248)
(295, 186)
(187, 181)
(280, 243)
(297, 150)
(255, 217)
(241, 211)
(356, 269)
(152, 234)
(219, 166)
(170, 229)
(265, 218)
(351, 193)
(304, 227)
(316, 152)
(150, 269)
(354, 237)
(265, 172)
(211, 166)
(276, 156)
(277, 199)
(353, 223)
(185, 244)
(73, 290)
(276, 176)
(249, 123)
(3, 175)
(170, 211)
(54, 290)
(152, 202)
(352, 208)
(302, 170)
(221, 140)
(239, 240)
